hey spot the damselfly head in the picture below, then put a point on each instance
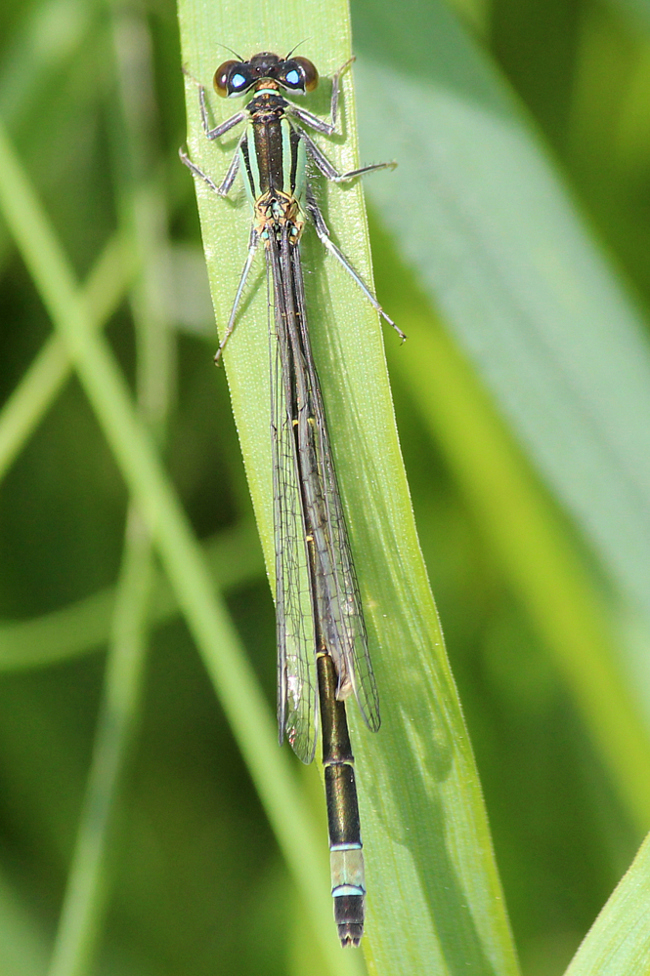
(234, 78)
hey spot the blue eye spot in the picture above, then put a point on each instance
(238, 81)
(293, 77)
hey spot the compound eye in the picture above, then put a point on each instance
(309, 73)
(231, 78)
(299, 74)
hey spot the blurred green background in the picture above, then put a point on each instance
(191, 829)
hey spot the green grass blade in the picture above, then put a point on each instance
(619, 941)
(44, 379)
(88, 885)
(143, 219)
(434, 899)
(23, 945)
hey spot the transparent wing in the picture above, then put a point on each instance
(297, 677)
(337, 596)
(342, 609)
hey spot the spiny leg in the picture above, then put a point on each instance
(230, 328)
(329, 171)
(324, 236)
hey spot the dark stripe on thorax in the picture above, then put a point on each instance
(245, 152)
(268, 147)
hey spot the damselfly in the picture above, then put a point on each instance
(322, 643)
